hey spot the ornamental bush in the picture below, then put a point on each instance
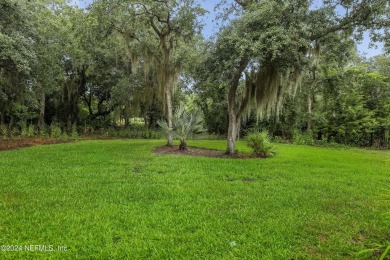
(260, 144)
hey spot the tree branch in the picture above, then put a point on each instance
(154, 26)
(359, 16)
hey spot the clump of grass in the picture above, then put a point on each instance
(380, 250)
(260, 144)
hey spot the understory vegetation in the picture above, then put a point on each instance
(133, 131)
(116, 199)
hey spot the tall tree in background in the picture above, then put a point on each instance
(17, 55)
(154, 31)
(47, 71)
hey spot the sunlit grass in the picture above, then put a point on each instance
(117, 200)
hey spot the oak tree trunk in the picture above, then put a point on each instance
(233, 109)
(69, 124)
(232, 132)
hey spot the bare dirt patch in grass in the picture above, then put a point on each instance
(9, 144)
(194, 151)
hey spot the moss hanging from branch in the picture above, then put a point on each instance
(134, 62)
(264, 90)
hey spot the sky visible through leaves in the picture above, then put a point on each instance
(210, 27)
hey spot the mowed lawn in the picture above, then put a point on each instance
(117, 200)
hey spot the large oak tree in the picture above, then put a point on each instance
(270, 44)
(154, 30)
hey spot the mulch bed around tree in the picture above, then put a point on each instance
(193, 151)
(9, 144)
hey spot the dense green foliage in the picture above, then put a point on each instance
(116, 199)
(101, 67)
(260, 144)
(348, 105)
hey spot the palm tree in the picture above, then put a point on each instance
(184, 123)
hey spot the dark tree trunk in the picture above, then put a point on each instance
(69, 124)
(127, 119)
(41, 121)
(183, 144)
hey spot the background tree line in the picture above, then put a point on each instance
(279, 65)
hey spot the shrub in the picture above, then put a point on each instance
(14, 132)
(74, 134)
(43, 131)
(260, 144)
(31, 131)
(3, 131)
(151, 134)
(304, 139)
(64, 136)
(55, 131)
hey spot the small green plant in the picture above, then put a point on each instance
(260, 144)
(14, 132)
(55, 130)
(43, 131)
(64, 136)
(31, 131)
(74, 133)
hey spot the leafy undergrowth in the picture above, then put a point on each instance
(115, 199)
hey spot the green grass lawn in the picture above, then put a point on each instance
(116, 200)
